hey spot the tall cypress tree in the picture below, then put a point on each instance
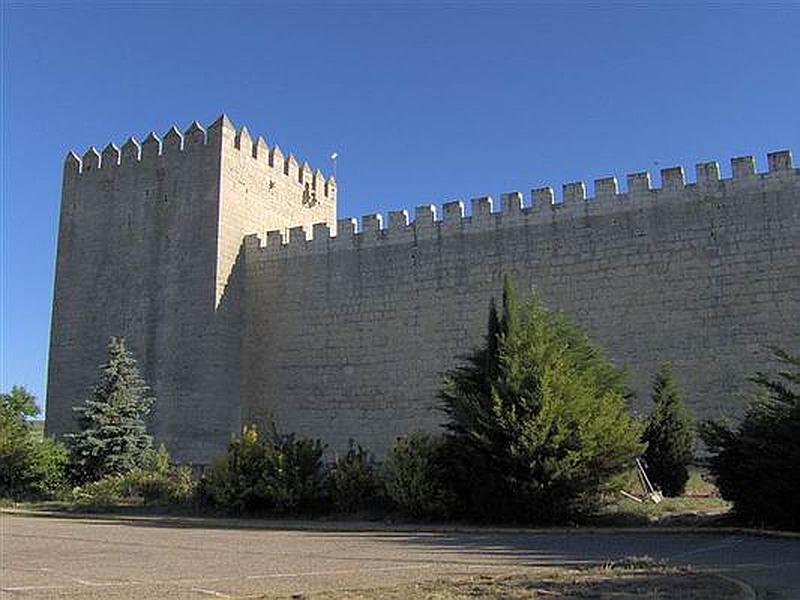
(492, 353)
(113, 436)
(537, 422)
(509, 306)
(669, 435)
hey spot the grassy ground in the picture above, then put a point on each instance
(633, 578)
(700, 503)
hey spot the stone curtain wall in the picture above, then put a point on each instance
(260, 189)
(347, 337)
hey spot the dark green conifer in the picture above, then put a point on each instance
(113, 437)
(492, 352)
(537, 419)
(669, 435)
(757, 463)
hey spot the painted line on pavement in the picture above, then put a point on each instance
(728, 543)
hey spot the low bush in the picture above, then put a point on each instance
(278, 474)
(235, 481)
(157, 483)
(184, 486)
(355, 483)
(107, 492)
(298, 474)
(417, 481)
(157, 461)
(152, 488)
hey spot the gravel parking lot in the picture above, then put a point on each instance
(55, 557)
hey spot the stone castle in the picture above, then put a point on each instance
(221, 261)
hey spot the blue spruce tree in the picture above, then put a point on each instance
(113, 437)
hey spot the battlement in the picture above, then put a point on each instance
(177, 145)
(543, 206)
(220, 258)
(283, 164)
(174, 143)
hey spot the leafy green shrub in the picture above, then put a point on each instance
(278, 474)
(537, 419)
(156, 461)
(152, 488)
(157, 482)
(669, 435)
(113, 437)
(30, 466)
(236, 481)
(417, 482)
(184, 486)
(355, 483)
(50, 466)
(103, 493)
(756, 463)
(299, 474)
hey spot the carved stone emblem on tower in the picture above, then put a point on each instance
(309, 197)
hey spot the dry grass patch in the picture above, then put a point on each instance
(626, 580)
(700, 503)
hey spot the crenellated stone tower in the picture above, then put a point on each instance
(148, 242)
(196, 248)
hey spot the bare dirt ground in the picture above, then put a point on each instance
(94, 557)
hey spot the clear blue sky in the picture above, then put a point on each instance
(423, 102)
